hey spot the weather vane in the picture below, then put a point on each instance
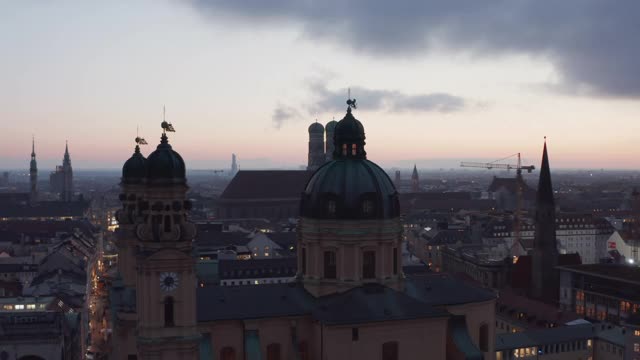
(140, 140)
(166, 126)
(351, 102)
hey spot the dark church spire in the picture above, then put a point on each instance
(545, 190)
(33, 172)
(545, 249)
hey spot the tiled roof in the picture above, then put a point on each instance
(369, 303)
(608, 271)
(266, 184)
(43, 209)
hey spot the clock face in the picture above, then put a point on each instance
(168, 281)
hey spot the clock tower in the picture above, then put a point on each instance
(166, 278)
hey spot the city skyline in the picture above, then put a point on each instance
(91, 73)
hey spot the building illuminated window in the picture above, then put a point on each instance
(19, 307)
(636, 333)
(31, 306)
(7, 307)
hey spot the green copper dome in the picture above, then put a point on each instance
(165, 166)
(350, 186)
(134, 170)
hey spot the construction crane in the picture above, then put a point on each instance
(496, 165)
(518, 167)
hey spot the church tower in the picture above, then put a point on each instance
(329, 148)
(132, 194)
(33, 174)
(415, 180)
(349, 231)
(316, 146)
(166, 278)
(544, 278)
(67, 184)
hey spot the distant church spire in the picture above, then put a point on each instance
(67, 177)
(415, 180)
(33, 172)
(545, 282)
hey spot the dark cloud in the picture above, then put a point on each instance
(283, 113)
(326, 100)
(592, 43)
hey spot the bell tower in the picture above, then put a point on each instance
(166, 278)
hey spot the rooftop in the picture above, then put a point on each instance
(617, 272)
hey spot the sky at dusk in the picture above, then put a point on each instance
(437, 82)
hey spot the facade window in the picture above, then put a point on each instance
(266, 250)
(369, 264)
(355, 334)
(395, 261)
(168, 312)
(227, 353)
(303, 351)
(636, 347)
(636, 333)
(329, 264)
(304, 261)
(483, 341)
(390, 351)
(273, 352)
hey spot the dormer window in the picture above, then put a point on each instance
(367, 208)
(331, 207)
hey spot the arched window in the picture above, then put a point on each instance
(344, 149)
(369, 264)
(390, 350)
(354, 149)
(227, 353)
(168, 311)
(273, 352)
(483, 341)
(329, 265)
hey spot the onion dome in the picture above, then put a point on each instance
(350, 186)
(331, 126)
(316, 128)
(165, 166)
(134, 170)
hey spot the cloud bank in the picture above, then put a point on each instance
(592, 43)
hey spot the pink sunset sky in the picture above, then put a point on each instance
(241, 77)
